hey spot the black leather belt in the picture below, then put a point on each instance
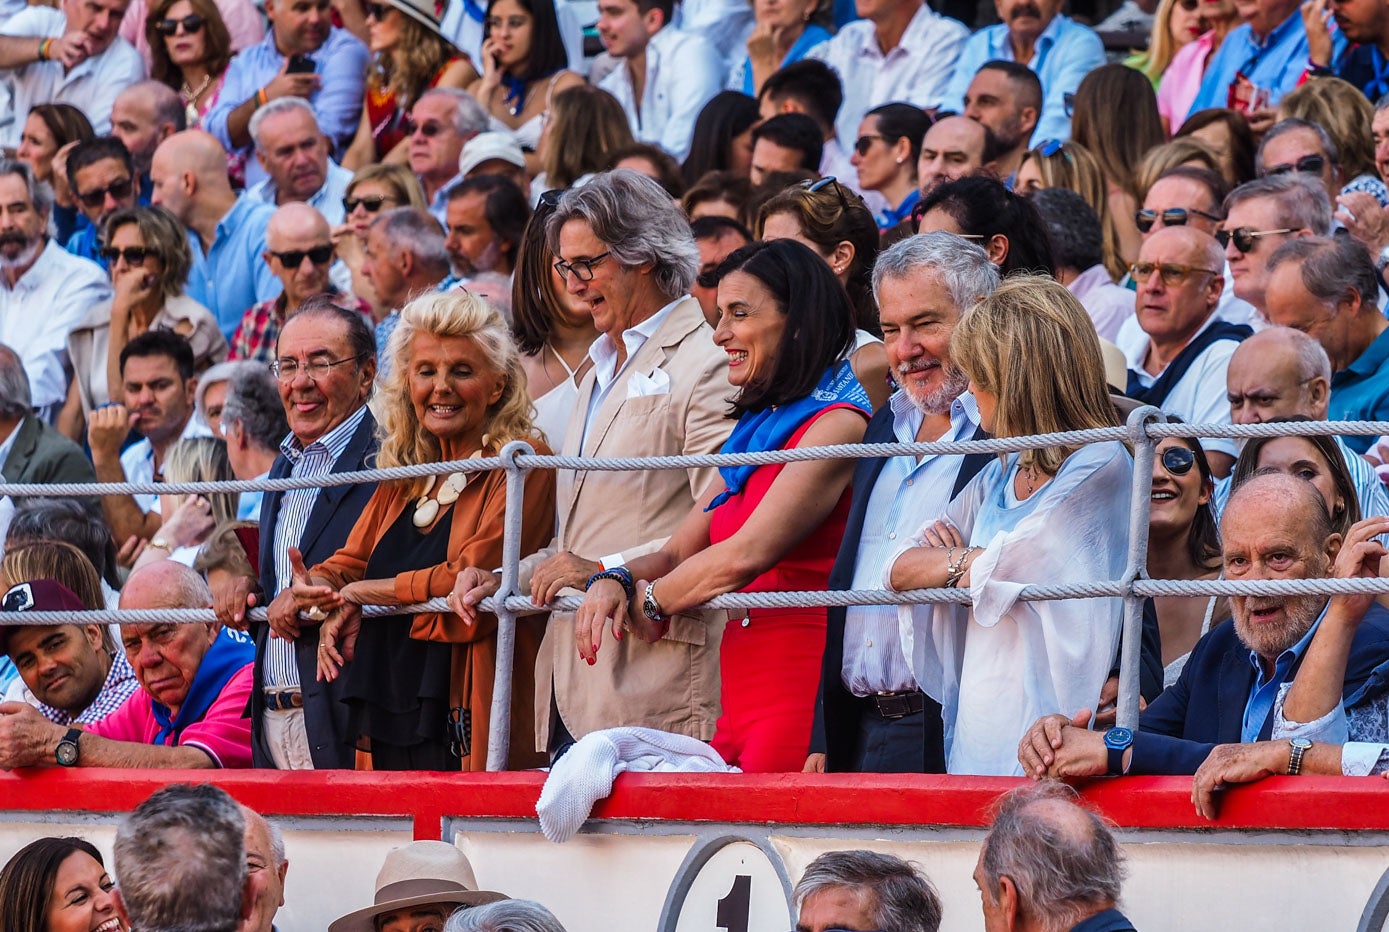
(283, 700)
(896, 705)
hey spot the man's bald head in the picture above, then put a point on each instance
(1262, 495)
(189, 171)
(165, 584)
(1277, 373)
(144, 115)
(296, 226)
(1202, 245)
(299, 250)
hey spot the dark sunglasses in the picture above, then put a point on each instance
(865, 142)
(371, 203)
(192, 25)
(1172, 217)
(378, 11)
(1246, 239)
(293, 258)
(120, 190)
(550, 199)
(1178, 460)
(133, 255)
(1307, 165)
(429, 129)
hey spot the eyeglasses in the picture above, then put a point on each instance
(1172, 217)
(1178, 460)
(428, 129)
(582, 268)
(286, 370)
(1172, 274)
(119, 190)
(133, 255)
(293, 258)
(378, 11)
(192, 25)
(1307, 165)
(1246, 239)
(865, 142)
(371, 203)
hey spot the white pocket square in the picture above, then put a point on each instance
(643, 386)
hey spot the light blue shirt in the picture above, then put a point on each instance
(1360, 391)
(908, 494)
(327, 200)
(1065, 53)
(233, 275)
(1274, 64)
(1264, 690)
(341, 63)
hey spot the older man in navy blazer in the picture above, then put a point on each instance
(871, 715)
(325, 363)
(1274, 527)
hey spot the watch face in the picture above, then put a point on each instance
(67, 753)
(1301, 743)
(1118, 738)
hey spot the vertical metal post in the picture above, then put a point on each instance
(1144, 452)
(499, 733)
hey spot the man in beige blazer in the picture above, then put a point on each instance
(658, 387)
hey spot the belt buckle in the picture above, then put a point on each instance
(282, 700)
(896, 705)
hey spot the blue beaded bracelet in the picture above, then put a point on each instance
(619, 573)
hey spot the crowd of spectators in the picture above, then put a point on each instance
(325, 236)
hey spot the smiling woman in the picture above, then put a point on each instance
(456, 391)
(58, 885)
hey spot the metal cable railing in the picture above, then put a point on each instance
(1145, 428)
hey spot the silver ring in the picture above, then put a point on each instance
(316, 613)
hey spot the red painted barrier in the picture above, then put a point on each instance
(1297, 803)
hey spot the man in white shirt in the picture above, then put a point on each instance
(664, 76)
(1179, 357)
(295, 154)
(872, 716)
(901, 50)
(71, 55)
(44, 290)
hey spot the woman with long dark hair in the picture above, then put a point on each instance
(57, 885)
(722, 138)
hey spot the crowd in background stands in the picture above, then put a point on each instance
(321, 237)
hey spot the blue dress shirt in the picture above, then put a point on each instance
(1360, 391)
(1263, 690)
(233, 274)
(1065, 53)
(811, 36)
(341, 63)
(1275, 64)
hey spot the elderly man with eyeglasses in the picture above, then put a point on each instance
(1264, 214)
(1180, 363)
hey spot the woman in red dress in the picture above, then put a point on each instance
(784, 320)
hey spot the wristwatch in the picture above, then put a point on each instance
(1300, 746)
(162, 543)
(68, 750)
(650, 607)
(1117, 740)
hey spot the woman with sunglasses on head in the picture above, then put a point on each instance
(1118, 144)
(409, 56)
(524, 65)
(1068, 165)
(1181, 79)
(885, 155)
(148, 257)
(190, 49)
(1183, 543)
(1052, 515)
(1005, 224)
(58, 885)
(831, 220)
(373, 189)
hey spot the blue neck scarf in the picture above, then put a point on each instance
(770, 428)
(230, 651)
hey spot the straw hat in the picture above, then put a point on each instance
(428, 13)
(416, 874)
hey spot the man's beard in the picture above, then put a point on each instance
(1009, 136)
(28, 249)
(1300, 612)
(938, 400)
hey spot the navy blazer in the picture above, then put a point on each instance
(835, 728)
(330, 522)
(1205, 707)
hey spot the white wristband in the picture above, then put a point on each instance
(612, 560)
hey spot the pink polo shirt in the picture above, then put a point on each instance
(1182, 79)
(223, 734)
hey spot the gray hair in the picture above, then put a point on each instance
(181, 861)
(1063, 865)
(505, 916)
(40, 193)
(253, 400)
(1293, 124)
(1382, 103)
(16, 401)
(903, 898)
(214, 375)
(469, 118)
(635, 218)
(278, 105)
(963, 267)
(1302, 202)
(417, 232)
(1331, 266)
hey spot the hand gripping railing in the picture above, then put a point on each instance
(1146, 427)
